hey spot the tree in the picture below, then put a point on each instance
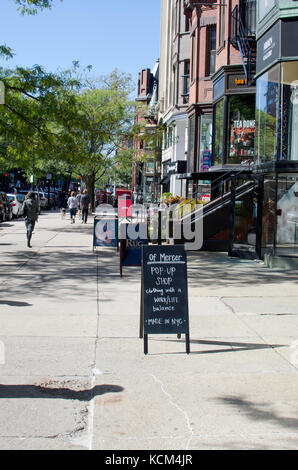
(38, 109)
(106, 121)
(31, 6)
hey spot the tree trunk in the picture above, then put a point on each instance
(89, 181)
(67, 182)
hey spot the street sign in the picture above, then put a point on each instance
(164, 302)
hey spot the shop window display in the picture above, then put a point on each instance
(289, 111)
(218, 133)
(287, 215)
(242, 125)
(191, 143)
(267, 115)
(205, 142)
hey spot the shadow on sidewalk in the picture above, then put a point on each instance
(11, 303)
(234, 347)
(36, 392)
(258, 412)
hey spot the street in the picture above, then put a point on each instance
(73, 374)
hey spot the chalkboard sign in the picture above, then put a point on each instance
(164, 303)
(132, 237)
(105, 232)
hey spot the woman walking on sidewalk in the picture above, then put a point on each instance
(30, 211)
(73, 207)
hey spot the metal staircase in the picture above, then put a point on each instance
(244, 39)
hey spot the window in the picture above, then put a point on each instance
(265, 7)
(211, 50)
(287, 218)
(218, 133)
(289, 111)
(242, 126)
(191, 146)
(177, 17)
(187, 24)
(205, 142)
(248, 15)
(222, 24)
(185, 77)
(193, 56)
(267, 115)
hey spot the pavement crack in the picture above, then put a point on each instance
(175, 405)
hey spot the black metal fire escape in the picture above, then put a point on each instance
(243, 38)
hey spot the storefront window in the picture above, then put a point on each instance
(204, 163)
(218, 132)
(289, 111)
(267, 122)
(246, 212)
(287, 215)
(242, 126)
(191, 143)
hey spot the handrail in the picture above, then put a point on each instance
(218, 202)
(220, 183)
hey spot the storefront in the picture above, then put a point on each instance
(234, 123)
(265, 217)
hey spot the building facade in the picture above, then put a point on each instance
(222, 92)
(147, 167)
(174, 93)
(277, 126)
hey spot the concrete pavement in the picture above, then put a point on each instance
(75, 376)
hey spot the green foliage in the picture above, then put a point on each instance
(38, 107)
(31, 7)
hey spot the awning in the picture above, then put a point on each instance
(213, 174)
(165, 180)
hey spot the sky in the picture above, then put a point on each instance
(106, 34)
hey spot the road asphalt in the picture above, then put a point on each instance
(73, 375)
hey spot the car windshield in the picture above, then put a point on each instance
(10, 198)
(20, 197)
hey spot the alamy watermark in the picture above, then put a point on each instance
(2, 93)
(2, 353)
(172, 223)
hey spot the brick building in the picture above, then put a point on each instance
(222, 93)
(147, 168)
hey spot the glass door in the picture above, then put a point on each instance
(287, 215)
(245, 216)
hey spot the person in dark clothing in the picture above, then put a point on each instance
(30, 211)
(85, 203)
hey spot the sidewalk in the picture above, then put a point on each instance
(75, 376)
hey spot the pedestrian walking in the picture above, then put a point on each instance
(79, 196)
(73, 206)
(85, 203)
(30, 211)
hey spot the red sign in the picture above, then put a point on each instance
(123, 192)
(124, 207)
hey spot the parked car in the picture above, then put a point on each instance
(43, 200)
(42, 203)
(16, 202)
(5, 207)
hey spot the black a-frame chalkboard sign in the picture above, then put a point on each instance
(164, 293)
